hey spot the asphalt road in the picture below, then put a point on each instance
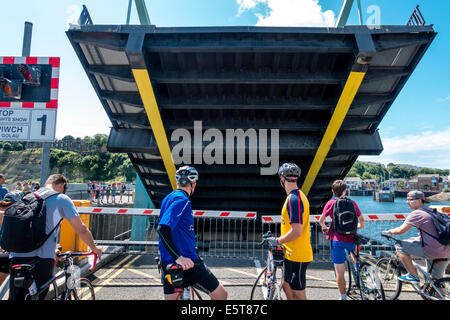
(135, 277)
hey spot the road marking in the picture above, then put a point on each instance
(113, 276)
(145, 274)
(113, 268)
(242, 272)
(333, 283)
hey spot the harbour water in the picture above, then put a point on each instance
(373, 229)
(370, 206)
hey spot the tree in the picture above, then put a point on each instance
(7, 146)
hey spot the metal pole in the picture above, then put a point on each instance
(26, 52)
(344, 14)
(142, 12)
(361, 21)
(27, 32)
(45, 160)
(129, 11)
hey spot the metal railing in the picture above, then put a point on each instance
(224, 234)
(219, 234)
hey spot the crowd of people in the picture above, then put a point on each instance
(177, 238)
(22, 187)
(106, 193)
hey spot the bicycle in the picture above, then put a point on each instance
(365, 278)
(75, 288)
(390, 268)
(275, 259)
(174, 274)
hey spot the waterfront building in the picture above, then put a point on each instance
(353, 183)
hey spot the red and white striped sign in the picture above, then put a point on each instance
(155, 212)
(55, 63)
(367, 217)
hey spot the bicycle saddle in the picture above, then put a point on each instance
(25, 266)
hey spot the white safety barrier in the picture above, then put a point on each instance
(375, 224)
(367, 217)
(155, 212)
(219, 233)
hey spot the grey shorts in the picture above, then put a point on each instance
(414, 248)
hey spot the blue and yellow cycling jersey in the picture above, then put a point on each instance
(296, 210)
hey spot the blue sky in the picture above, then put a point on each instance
(418, 121)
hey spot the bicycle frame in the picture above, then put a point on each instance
(355, 268)
(68, 262)
(428, 281)
(271, 274)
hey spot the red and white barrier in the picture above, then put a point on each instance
(155, 212)
(367, 217)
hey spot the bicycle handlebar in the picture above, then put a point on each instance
(268, 238)
(390, 237)
(70, 254)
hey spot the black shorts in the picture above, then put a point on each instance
(42, 272)
(4, 262)
(295, 274)
(199, 275)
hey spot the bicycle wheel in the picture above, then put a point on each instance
(348, 278)
(263, 273)
(371, 288)
(388, 273)
(83, 290)
(53, 292)
(443, 286)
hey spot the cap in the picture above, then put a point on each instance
(13, 196)
(416, 194)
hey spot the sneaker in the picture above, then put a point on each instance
(409, 278)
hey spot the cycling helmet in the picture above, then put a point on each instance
(186, 174)
(290, 171)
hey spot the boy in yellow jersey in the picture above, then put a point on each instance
(295, 234)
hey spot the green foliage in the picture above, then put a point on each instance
(96, 166)
(366, 170)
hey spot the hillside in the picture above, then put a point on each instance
(25, 165)
(20, 165)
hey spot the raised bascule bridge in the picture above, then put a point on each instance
(320, 93)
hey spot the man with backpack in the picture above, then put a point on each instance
(346, 218)
(433, 241)
(30, 231)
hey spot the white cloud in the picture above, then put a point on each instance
(430, 149)
(447, 98)
(413, 143)
(289, 13)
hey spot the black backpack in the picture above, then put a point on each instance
(24, 223)
(442, 223)
(345, 219)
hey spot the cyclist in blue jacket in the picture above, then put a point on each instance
(177, 242)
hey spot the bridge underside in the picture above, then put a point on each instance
(290, 79)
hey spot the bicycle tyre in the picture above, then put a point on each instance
(388, 273)
(348, 277)
(257, 282)
(371, 282)
(440, 283)
(83, 290)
